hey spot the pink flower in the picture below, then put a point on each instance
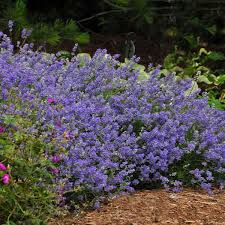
(2, 167)
(51, 100)
(54, 171)
(5, 179)
(2, 129)
(55, 159)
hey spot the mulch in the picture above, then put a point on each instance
(155, 207)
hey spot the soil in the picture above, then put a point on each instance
(156, 207)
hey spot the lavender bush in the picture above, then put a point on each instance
(112, 130)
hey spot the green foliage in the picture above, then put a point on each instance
(43, 32)
(193, 30)
(29, 197)
(82, 38)
(121, 2)
(203, 67)
(68, 30)
(53, 35)
(126, 15)
(216, 56)
(191, 40)
(182, 168)
(184, 23)
(143, 12)
(16, 12)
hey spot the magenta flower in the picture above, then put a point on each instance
(51, 100)
(2, 167)
(5, 179)
(54, 171)
(55, 159)
(2, 129)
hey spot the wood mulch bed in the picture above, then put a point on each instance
(155, 207)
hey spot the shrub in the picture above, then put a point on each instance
(113, 130)
(206, 67)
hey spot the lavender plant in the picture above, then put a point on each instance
(113, 131)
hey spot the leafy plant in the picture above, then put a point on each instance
(203, 66)
(17, 12)
(27, 197)
(43, 32)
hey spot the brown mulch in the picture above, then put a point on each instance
(156, 207)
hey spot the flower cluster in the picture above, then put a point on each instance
(5, 177)
(117, 131)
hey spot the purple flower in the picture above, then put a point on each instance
(207, 187)
(209, 176)
(96, 205)
(2, 129)
(117, 131)
(58, 124)
(5, 179)
(54, 171)
(2, 167)
(51, 100)
(56, 159)
(25, 33)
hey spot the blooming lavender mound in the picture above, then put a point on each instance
(113, 131)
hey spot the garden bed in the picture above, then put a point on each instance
(77, 130)
(155, 207)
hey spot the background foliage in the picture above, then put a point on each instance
(44, 31)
